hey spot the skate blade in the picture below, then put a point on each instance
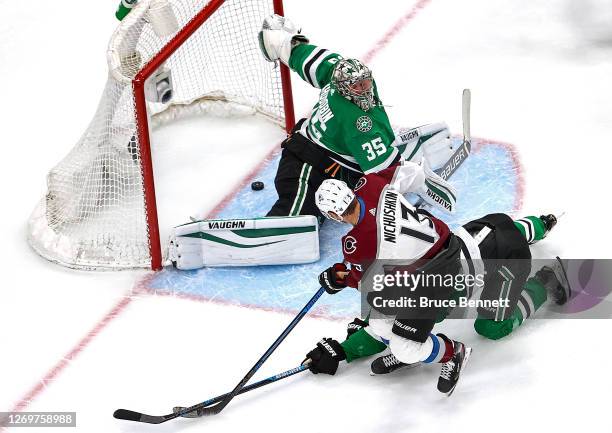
(466, 358)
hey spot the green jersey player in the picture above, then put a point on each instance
(347, 133)
(349, 119)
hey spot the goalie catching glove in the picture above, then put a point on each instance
(277, 37)
(325, 357)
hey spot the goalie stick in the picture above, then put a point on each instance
(205, 408)
(464, 150)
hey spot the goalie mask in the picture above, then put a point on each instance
(353, 80)
(333, 196)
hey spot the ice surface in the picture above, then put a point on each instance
(488, 182)
(535, 84)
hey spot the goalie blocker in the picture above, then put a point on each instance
(245, 242)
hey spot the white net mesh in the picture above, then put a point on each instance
(94, 215)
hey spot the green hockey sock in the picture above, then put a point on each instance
(361, 344)
(532, 298)
(532, 228)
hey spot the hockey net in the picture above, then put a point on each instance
(100, 209)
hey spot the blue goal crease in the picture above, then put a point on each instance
(487, 182)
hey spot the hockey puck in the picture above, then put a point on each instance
(257, 186)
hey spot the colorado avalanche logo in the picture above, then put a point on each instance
(360, 184)
(350, 245)
(364, 124)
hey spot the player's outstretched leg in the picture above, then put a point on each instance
(531, 299)
(389, 363)
(549, 279)
(451, 370)
(536, 228)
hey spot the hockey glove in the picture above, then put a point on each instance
(325, 357)
(330, 281)
(356, 325)
(277, 37)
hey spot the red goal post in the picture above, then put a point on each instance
(143, 129)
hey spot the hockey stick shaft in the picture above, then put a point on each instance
(135, 416)
(455, 161)
(256, 385)
(205, 407)
(466, 109)
(267, 381)
(461, 154)
(213, 410)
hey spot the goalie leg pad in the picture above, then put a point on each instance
(245, 242)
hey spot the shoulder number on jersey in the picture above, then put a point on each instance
(374, 148)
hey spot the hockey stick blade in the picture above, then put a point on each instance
(205, 408)
(213, 410)
(130, 415)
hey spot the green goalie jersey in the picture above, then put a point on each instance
(360, 140)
